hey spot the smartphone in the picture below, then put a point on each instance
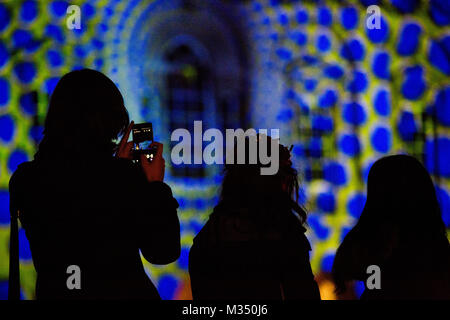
(142, 139)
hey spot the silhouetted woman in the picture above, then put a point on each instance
(253, 245)
(81, 205)
(402, 232)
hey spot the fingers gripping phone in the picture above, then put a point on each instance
(142, 139)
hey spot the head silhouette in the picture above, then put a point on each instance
(86, 113)
(245, 186)
(400, 192)
(401, 223)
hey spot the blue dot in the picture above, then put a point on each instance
(5, 17)
(25, 71)
(328, 99)
(21, 38)
(409, 39)
(50, 85)
(437, 156)
(367, 3)
(378, 35)
(29, 11)
(310, 84)
(442, 105)
(87, 10)
(24, 246)
(382, 102)
(333, 71)
(413, 85)
(323, 43)
(58, 8)
(200, 204)
(284, 54)
(406, 126)
(4, 91)
(326, 202)
(4, 55)
(102, 28)
(310, 59)
(55, 32)
(349, 17)
(4, 208)
(359, 82)
(355, 205)
(322, 123)
(444, 203)
(440, 12)
(283, 19)
(302, 16)
(285, 115)
(438, 55)
(317, 227)
(196, 226)
(353, 50)
(80, 51)
(6, 128)
(315, 147)
(167, 286)
(36, 133)
(380, 65)
(349, 145)
(98, 62)
(275, 3)
(98, 44)
(54, 58)
(353, 113)
(183, 260)
(381, 139)
(28, 103)
(324, 16)
(15, 158)
(335, 173)
(299, 150)
(327, 262)
(406, 6)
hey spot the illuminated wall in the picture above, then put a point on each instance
(342, 94)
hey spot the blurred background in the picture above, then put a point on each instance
(342, 94)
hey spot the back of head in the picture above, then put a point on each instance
(86, 113)
(401, 194)
(246, 187)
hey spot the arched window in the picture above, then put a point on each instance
(186, 83)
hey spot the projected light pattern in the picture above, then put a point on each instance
(344, 95)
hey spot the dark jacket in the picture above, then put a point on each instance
(242, 255)
(96, 216)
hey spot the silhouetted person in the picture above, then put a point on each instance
(401, 231)
(253, 245)
(82, 206)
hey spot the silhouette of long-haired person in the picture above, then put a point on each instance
(253, 245)
(401, 231)
(84, 203)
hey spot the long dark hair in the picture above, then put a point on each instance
(401, 217)
(245, 186)
(86, 114)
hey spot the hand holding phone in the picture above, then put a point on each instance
(154, 170)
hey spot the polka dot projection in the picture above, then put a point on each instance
(342, 94)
